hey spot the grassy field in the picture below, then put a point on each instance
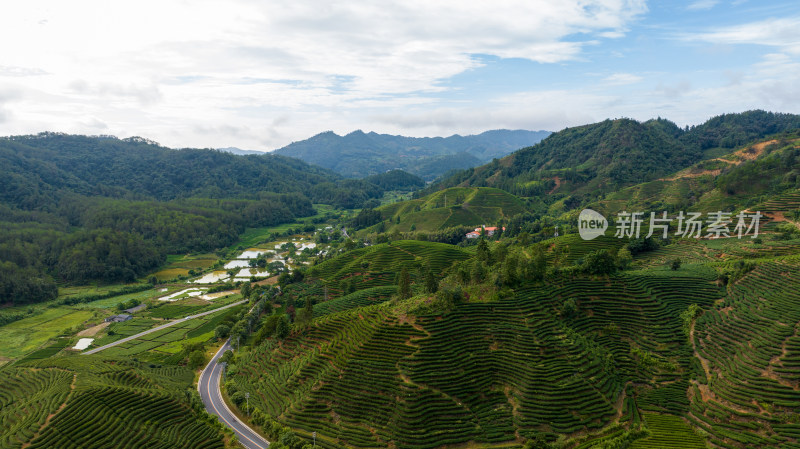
(160, 345)
(86, 290)
(111, 303)
(27, 335)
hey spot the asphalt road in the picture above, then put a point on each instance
(163, 326)
(208, 386)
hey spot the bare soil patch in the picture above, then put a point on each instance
(92, 331)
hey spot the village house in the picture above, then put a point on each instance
(490, 230)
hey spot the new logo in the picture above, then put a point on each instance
(591, 224)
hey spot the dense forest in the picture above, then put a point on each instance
(602, 157)
(78, 208)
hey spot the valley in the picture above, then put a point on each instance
(383, 325)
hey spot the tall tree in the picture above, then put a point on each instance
(431, 285)
(404, 283)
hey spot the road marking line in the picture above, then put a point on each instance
(214, 360)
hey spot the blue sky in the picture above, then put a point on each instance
(261, 74)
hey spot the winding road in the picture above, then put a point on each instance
(208, 386)
(158, 328)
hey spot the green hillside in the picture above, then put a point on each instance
(590, 160)
(762, 176)
(555, 342)
(451, 208)
(493, 372)
(78, 209)
(93, 402)
(379, 335)
(378, 265)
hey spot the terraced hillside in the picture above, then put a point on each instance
(378, 265)
(760, 176)
(487, 372)
(749, 346)
(452, 207)
(93, 402)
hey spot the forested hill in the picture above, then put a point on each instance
(360, 154)
(78, 208)
(602, 157)
(108, 166)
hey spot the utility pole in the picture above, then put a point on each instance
(247, 396)
(238, 337)
(556, 232)
(314, 434)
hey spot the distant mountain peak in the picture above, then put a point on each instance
(358, 154)
(241, 152)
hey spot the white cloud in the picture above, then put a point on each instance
(775, 32)
(622, 78)
(169, 70)
(702, 4)
(771, 84)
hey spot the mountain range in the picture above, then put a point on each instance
(361, 154)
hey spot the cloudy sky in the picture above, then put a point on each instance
(261, 74)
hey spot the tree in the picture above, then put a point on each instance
(478, 273)
(675, 264)
(404, 283)
(227, 357)
(569, 308)
(538, 264)
(599, 262)
(624, 258)
(222, 331)
(431, 285)
(245, 290)
(282, 328)
(196, 359)
(238, 398)
(689, 315)
(510, 270)
(307, 314)
(483, 254)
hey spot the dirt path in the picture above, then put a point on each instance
(269, 281)
(50, 416)
(558, 184)
(92, 331)
(703, 361)
(620, 405)
(693, 175)
(745, 154)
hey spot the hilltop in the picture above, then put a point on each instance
(452, 207)
(587, 161)
(359, 154)
(757, 176)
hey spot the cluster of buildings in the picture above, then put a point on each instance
(489, 230)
